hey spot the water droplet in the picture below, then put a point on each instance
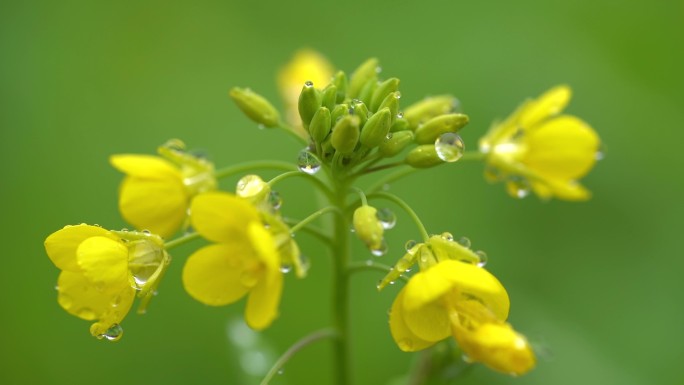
(386, 218)
(285, 269)
(308, 163)
(280, 371)
(369, 262)
(466, 358)
(308, 84)
(397, 95)
(261, 127)
(114, 333)
(410, 245)
(124, 230)
(449, 147)
(599, 155)
(249, 186)
(380, 250)
(465, 242)
(275, 200)
(389, 136)
(144, 259)
(378, 69)
(116, 301)
(447, 236)
(147, 232)
(400, 115)
(391, 282)
(519, 188)
(405, 344)
(482, 258)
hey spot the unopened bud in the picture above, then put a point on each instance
(423, 157)
(365, 72)
(359, 108)
(391, 101)
(340, 81)
(309, 101)
(255, 106)
(383, 89)
(375, 130)
(320, 125)
(345, 134)
(338, 112)
(368, 227)
(329, 97)
(396, 143)
(428, 108)
(433, 128)
(400, 124)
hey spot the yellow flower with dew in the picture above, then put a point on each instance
(541, 150)
(101, 272)
(247, 258)
(157, 190)
(305, 66)
(453, 295)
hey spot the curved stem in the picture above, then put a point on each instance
(362, 195)
(290, 131)
(299, 345)
(314, 232)
(273, 164)
(180, 241)
(399, 202)
(391, 178)
(381, 167)
(371, 265)
(313, 216)
(290, 174)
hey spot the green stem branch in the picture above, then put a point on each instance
(249, 166)
(180, 241)
(404, 206)
(313, 217)
(300, 174)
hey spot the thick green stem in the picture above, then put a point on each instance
(340, 286)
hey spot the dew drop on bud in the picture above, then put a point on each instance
(114, 333)
(410, 245)
(285, 269)
(380, 250)
(400, 115)
(308, 83)
(386, 218)
(465, 242)
(449, 147)
(307, 162)
(482, 256)
(447, 236)
(280, 371)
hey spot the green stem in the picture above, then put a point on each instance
(313, 216)
(290, 131)
(391, 178)
(381, 167)
(180, 241)
(299, 345)
(472, 155)
(399, 202)
(290, 174)
(356, 267)
(314, 232)
(239, 168)
(340, 285)
(364, 200)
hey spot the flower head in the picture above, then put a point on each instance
(101, 272)
(157, 190)
(537, 149)
(246, 257)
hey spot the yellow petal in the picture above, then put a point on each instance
(221, 217)
(62, 244)
(264, 244)
(78, 296)
(551, 103)
(429, 322)
(213, 274)
(425, 287)
(562, 189)
(158, 205)
(475, 282)
(403, 336)
(562, 148)
(145, 166)
(306, 65)
(104, 262)
(263, 301)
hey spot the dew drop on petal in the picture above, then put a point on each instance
(464, 241)
(285, 269)
(114, 333)
(447, 236)
(410, 245)
(449, 147)
(482, 256)
(386, 218)
(307, 162)
(249, 186)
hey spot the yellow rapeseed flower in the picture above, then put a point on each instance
(101, 272)
(453, 298)
(245, 258)
(157, 190)
(539, 150)
(306, 65)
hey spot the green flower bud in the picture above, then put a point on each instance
(375, 130)
(423, 157)
(367, 91)
(396, 143)
(368, 70)
(345, 134)
(255, 106)
(320, 125)
(428, 108)
(433, 128)
(368, 227)
(338, 112)
(309, 101)
(391, 101)
(340, 81)
(402, 265)
(400, 124)
(382, 90)
(329, 97)
(444, 248)
(360, 110)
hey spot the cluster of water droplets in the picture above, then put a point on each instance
(465, 242)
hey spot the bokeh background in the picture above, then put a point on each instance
(597, 286)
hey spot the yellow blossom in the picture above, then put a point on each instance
(453, 298)
(306, 65)
(101, 272)
(157, 190)
(246, 258)
(539, 149)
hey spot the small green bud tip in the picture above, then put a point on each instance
(309, 102)
(368, 70)
(360, 110)
(329, 97)
(433, 128)
(345, 134)
(428, 108)
(375, 130)
(338, 112)
(368, 227)
(400, 124)
(320, 125)
(396, 143)
(255, 106)
(391, 101)
(423, 157)
(383, 89)
(340, 81)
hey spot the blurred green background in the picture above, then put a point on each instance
(595, 284)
